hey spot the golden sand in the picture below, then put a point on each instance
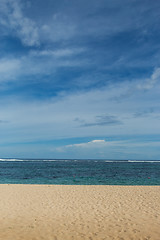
(56, 212)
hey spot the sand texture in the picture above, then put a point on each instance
(52, 212)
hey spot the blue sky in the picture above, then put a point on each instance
(80, 79)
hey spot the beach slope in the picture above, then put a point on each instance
(59, 212)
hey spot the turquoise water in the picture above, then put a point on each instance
(77, 172)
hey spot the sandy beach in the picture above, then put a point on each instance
(56, 212)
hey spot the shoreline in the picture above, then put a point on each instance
(89, 212)
(112, 185)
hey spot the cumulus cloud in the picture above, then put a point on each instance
(88, 144)
(121, 149)
(103, 144)
(98, 141)
(92, 144)
(14, 21)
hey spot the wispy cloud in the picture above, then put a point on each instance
(13, 19)
(103, 120)
(144, 113)
(63, 52)
(9, 68)
(150, 82)
(60, 27)
(81, 20)
(138, 85)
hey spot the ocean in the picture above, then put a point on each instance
(79, 172)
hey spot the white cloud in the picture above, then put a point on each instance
(12, 18)
(97, 141)
(55, 118)
(91, 144)
(130, 89)
(87, 145)
(122, 149)
(150, 82)
(7, 65)
(30, 65)
(106, 145)
(9, 68)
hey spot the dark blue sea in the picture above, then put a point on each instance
(79, 172)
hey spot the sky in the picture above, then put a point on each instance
(80, 79)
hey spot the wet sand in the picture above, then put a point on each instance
(59, 212)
